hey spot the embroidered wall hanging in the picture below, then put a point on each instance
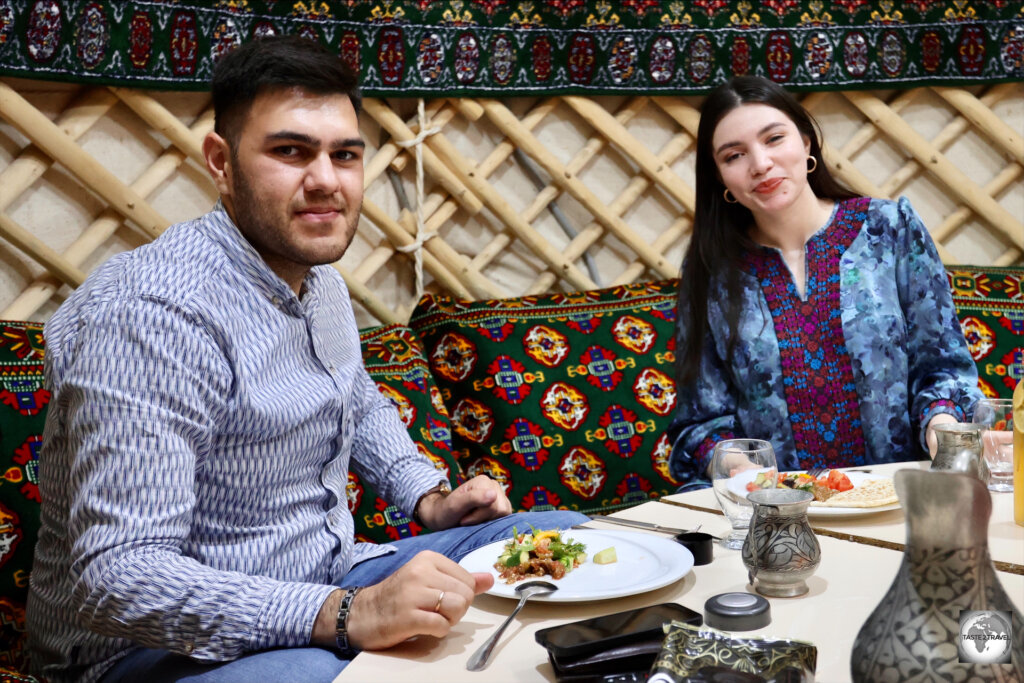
(530, 47)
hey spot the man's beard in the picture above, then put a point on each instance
(268, 233)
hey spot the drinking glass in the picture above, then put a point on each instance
(731, 457)
(996, 414)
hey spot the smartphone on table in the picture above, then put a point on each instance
(620, 642)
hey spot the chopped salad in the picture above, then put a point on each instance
(539, 553)
(824, 487)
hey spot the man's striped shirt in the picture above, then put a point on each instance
(196, 453)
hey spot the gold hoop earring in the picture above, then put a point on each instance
(727, 195)
(814, 167)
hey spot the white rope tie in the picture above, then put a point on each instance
(421, 233)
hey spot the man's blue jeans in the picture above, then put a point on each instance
(314, 664)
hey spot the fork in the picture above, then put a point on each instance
(817, 471)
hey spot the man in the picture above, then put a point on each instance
(208, 401)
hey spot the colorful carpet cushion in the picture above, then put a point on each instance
(22, 413)
(563, 398)
(12, 676)
(990, 304)
(394, 359)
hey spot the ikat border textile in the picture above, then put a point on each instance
(519, 47)
(395, 361)
(10, 676)
(563, 398)
(990, 305)
(23, 403)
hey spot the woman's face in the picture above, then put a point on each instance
(761, 158)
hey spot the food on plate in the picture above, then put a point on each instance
(763, 480)
(539, 553)
(832, 489)
(606, 556)
(869, 494)
(824, 487)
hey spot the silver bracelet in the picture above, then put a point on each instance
(341, 627)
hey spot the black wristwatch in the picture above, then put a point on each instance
(443, 488)
(341, 626)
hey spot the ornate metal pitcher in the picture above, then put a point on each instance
(915, 632)
(780, 550)
(959, 449)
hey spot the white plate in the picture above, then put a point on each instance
(738, 487)
(645, 563)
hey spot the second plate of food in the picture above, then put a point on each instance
(874, 493)
(645, 562)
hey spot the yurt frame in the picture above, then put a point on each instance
(454, 182)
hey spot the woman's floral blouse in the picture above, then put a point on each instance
(849, 375)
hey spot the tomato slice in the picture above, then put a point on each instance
(838, 481)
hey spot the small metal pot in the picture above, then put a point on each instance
(780, 550)
(959, 449)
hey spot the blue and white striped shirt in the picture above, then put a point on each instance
(196, 452)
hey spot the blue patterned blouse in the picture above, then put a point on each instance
(849, 375)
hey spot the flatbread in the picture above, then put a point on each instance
(870, 494)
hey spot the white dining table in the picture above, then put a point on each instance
(859, 559)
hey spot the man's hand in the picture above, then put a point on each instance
(403, 605)
(929, 435)
(478, 500)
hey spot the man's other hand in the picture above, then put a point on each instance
(410, 602)
(478, 500)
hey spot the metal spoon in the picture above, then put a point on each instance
(526, 591)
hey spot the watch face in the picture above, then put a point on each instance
(444, 488)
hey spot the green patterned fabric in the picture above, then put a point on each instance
(23, 403)
(562, 398)
(507, 47)
(394, 359)
(990, 304)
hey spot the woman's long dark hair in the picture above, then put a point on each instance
(721, 229)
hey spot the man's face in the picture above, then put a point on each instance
(294, 183)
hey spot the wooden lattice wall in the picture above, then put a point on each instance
(523, 196)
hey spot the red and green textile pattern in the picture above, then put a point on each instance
(506, 47)
(990, 304)
(394, 359)
(23, 403)
(11, 676)
(563, 398)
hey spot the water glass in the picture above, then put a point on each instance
(996, 414)
(731, 457)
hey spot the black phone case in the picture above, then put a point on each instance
(632, 657)
(548, 637)
(599, 658)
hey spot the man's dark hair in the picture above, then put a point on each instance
(271, 63)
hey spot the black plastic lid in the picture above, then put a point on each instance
(737, 612)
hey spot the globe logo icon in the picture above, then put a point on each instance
(984, 637)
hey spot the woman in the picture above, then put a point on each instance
(808, 316)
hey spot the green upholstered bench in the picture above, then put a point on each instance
(563, 398)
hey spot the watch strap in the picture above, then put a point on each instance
(443, 488)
